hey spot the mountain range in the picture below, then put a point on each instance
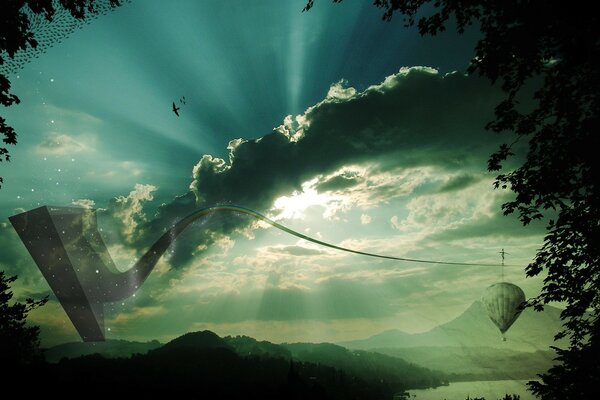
(469, 347)
(204, 364)
(532, 331)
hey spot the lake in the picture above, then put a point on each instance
(491, 390)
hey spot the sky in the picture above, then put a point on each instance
(332, 122)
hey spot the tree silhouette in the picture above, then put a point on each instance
(554, 48)
(16, 35)
(19, 343)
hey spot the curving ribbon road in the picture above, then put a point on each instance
(146, 263)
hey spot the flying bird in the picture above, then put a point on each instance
(175, 109)
(182, 100)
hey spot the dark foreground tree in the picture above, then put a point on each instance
(554, 47)
(16, 35)
(19, 342)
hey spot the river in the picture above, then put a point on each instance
(491, 390)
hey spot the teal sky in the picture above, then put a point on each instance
(314, 119)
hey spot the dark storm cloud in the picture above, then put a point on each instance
(197, 236)
(339, 182)
(458, 183)
(415, 118)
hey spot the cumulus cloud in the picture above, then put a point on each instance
(412, 119)
(341, 91)
(365, 219)
(84, 203)
(128, 210)
(369, 186)
(363, 148)
(434, 212)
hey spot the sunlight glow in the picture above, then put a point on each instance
(295, 205)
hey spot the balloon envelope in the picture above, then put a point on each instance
(502, 302)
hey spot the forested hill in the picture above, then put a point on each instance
(242, 364)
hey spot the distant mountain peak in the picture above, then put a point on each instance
(533, 331)
(197, 340)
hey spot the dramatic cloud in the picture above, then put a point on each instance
(128, 210)
(414, 118)
(353, 149)
(340, 91)
(458, 182)
(396, 169)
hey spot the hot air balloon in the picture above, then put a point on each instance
(503, 301)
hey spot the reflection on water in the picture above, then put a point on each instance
(491, 390)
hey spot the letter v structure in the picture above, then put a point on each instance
(67, 247)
